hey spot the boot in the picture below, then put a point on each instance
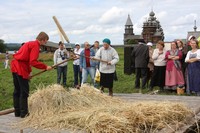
(16, 106)
(110, 92)
(23, 107)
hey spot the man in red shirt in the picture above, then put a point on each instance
(87, 66)
(21, 68)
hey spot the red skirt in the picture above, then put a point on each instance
(174, 77)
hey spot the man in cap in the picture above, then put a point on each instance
(21, 68)
(141, 55)
(76, 66)
(107, 70)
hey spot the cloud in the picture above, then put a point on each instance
(178, 28)
(185, 20)
(137, 29)
(89, 29)
(54, 33)
(161, 15)
(93, 19)
(114, 30)
(97, 29)
(111, 15)
(13, 37)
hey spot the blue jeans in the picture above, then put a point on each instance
(77, 73)
(62, 70)
(85, 72)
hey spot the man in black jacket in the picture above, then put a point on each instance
(140, 54)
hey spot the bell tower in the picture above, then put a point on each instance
(128, 29)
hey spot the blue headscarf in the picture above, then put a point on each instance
(106, 40)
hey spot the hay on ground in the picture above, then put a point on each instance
(87, 109)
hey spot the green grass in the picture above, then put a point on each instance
(125, 83)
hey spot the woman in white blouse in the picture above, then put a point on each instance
(158, 76)
(193, 60)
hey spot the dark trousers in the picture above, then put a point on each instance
(141, 73)
(20, 95)
(158, 77)
(62, 70)
(77, 73)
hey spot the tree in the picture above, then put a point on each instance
(2, 46)
(132, 41)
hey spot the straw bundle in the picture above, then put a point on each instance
(88, 110)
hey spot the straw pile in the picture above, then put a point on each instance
(88, 110)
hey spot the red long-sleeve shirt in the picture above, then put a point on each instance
(87, 54)
(25, 58)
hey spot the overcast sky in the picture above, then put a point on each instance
(90, 20)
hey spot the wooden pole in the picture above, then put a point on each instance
(61, 37)
(7, 111)
(61, 29)
(66, 60)
(91, 58)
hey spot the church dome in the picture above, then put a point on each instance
(151, 13)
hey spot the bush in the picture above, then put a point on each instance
(2, 46)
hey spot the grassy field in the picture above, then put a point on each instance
(125, 83)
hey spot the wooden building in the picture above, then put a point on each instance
(152, 32)
(49, 47)
(52, 47)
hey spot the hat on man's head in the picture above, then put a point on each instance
(77, 44)
(190, 37)
(106, 40)
(149, 44)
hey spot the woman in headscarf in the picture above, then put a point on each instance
(109, 54)
(174, 75)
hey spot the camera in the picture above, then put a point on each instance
(63, 57)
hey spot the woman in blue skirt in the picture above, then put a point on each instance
(193, 60)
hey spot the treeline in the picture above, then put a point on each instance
(2, 46)
(8, 46)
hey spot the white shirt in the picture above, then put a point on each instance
(191, 54)
(109, 54)
(76, 62)
(159, 60)
(60, 56)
